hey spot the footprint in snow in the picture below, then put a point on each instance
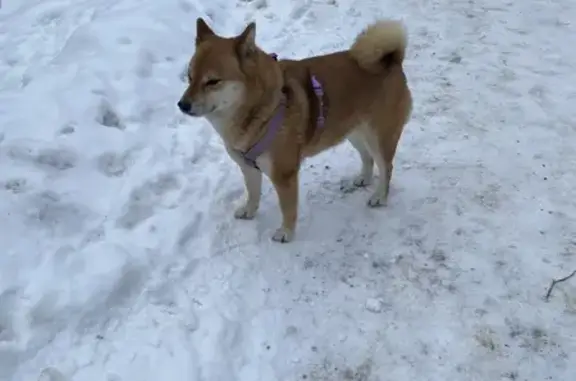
(15, 186)
(146, 64)
(143, 200)
(52, 374)
(108, 117)
(8, 330)
(48, 210)
(113, 164)
(61, 158)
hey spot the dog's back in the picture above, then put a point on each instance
(364, 86)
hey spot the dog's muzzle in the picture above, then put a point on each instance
(185, 107)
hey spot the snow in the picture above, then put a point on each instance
(121, 260)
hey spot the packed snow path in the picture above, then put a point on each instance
(121, 259)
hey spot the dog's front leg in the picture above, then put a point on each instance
(253, 184)
(287, 189)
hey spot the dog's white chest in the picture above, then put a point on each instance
(219, 125)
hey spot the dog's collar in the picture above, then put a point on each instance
(275, 123)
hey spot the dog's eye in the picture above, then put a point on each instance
(212, 82)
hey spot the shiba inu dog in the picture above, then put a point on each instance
(272, 114)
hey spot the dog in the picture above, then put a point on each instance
(272, 114)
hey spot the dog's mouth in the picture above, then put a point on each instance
(204, 112)
(196, 114)
(190, 113)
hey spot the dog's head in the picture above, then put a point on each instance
(226, 73)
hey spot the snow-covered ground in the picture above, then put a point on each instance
(120, 259)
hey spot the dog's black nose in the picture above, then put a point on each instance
(184, 106)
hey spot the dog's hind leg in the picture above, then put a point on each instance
(383, 150)
(386, 132)
(382, 141)
(364, 178)
(385, 167)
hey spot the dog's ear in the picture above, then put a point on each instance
(202, 30)
(247, 41)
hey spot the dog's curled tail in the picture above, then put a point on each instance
(380, 44)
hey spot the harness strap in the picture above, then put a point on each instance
(275, 124)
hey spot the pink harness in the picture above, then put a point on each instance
(275, 123)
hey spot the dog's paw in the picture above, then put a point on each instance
(283, 235)
(362, 180)
(245, 212)
(377, 200)
(350, 185)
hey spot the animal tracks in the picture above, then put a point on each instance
(43, 158)
(15, 185)
(113, 164)
(108, 117)
(50, 211)
(52, 374)
(144, 199)
(190, 231)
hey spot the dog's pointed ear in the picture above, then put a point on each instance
(202, 30)
(247, 41)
